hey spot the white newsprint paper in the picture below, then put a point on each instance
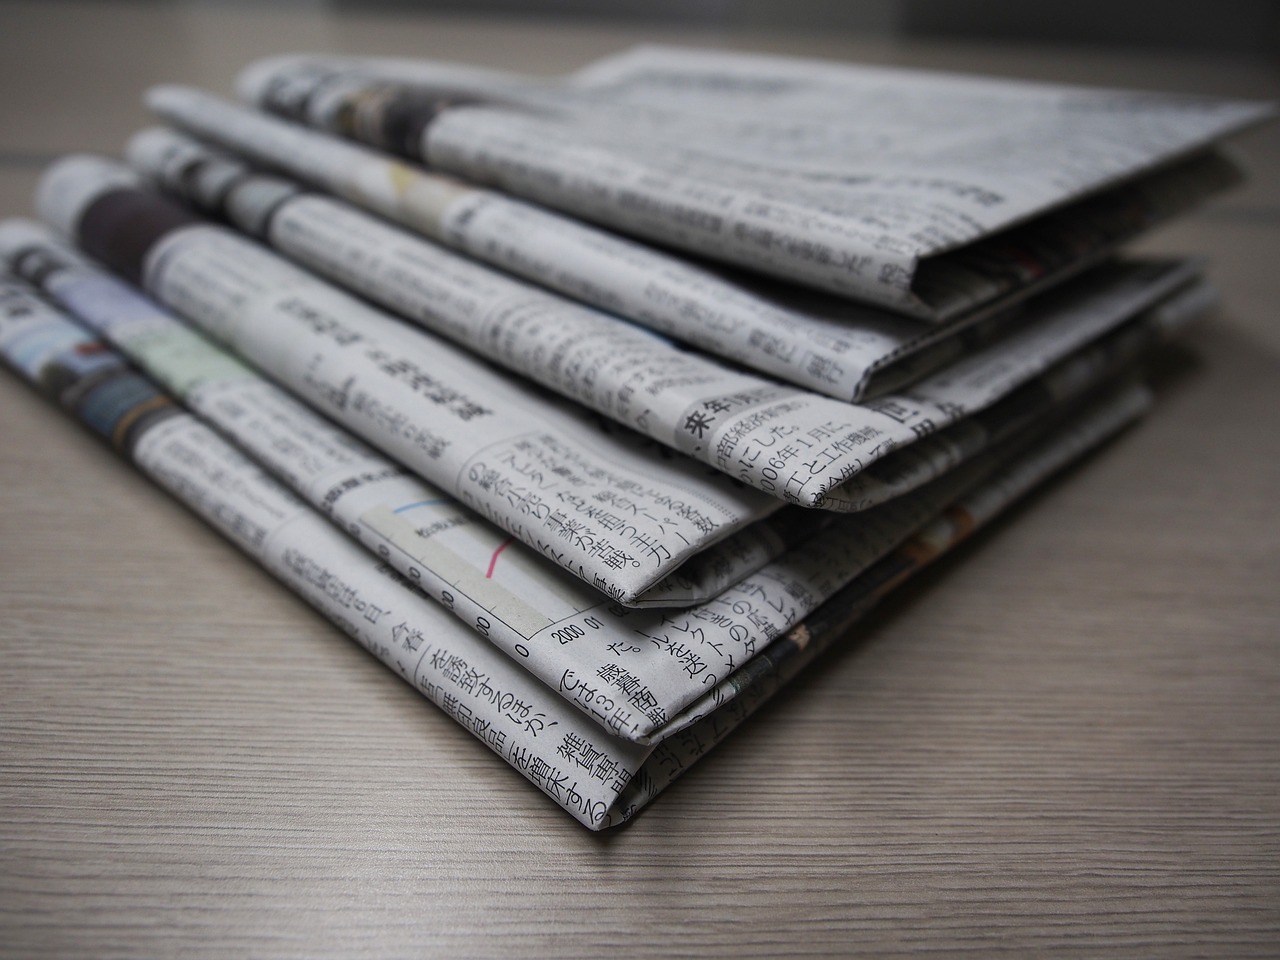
(927, 193)
(601, 503)
(728, 419)
(824, 343)
(554, 625)
(603, 362)
(600, 779)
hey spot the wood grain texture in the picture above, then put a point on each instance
(1065, 740)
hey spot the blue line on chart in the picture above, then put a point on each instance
(420, 503)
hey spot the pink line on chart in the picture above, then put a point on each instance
(497, 553)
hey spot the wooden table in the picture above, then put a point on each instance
(1066, 739)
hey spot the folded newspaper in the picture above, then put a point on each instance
(595, 547)
(666, 682)
(827, 344)
(599, 778)
(928, 193)
(539, 616)
(788, 443)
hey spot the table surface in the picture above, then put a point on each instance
(1065, 739)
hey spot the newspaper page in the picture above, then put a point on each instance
(826, 344)
(844, 178)
(534, 466)
(558, 629)
(331, 469)
(677, 398)
(660, 681)
(600, 780)
(492, 697)
(518, 601)
(478, 308)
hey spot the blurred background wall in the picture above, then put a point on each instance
(1250, 27)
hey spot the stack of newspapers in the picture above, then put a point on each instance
(597, 408)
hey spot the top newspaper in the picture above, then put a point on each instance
(911, 190)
